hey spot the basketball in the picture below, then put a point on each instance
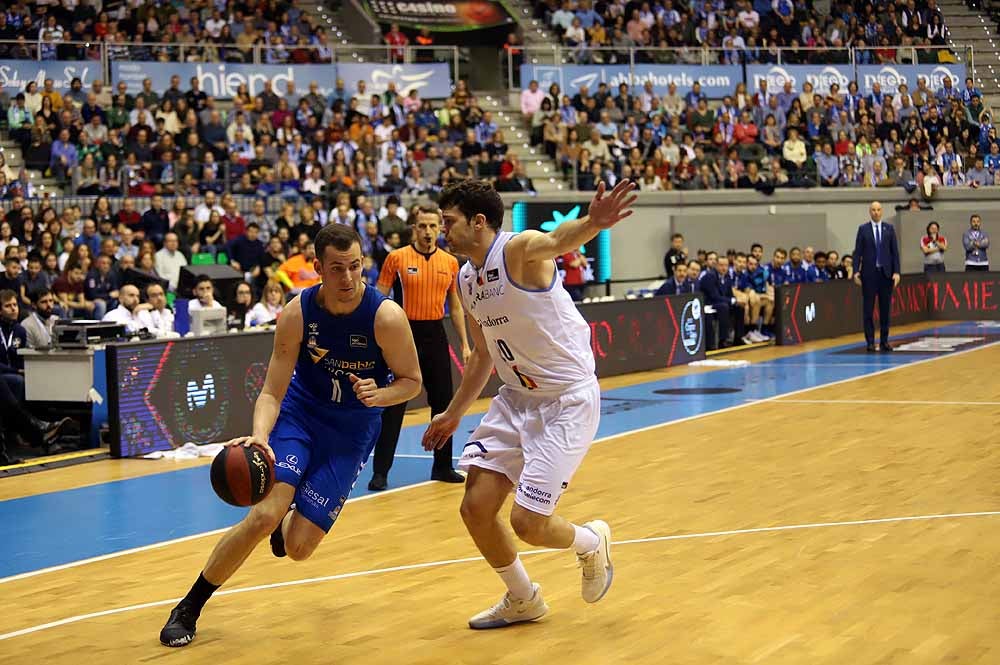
(242, 476)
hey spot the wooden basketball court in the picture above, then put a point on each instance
(857, 522)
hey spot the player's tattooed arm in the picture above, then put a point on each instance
(393, 335)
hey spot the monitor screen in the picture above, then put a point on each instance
(208, 321)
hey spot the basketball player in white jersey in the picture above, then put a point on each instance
(539, 427)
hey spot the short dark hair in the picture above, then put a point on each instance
(819, 255)
(474, 197)
(794, 249)
(201, 279)
(7, 295)
(253, 225)
(739, 254)
(339, 236)
(676, 236)
(38, 294)
(12, 258)
(755, 246)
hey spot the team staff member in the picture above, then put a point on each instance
(427, 275)
(876, 262)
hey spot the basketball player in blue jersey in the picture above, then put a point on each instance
(540, 426)
(318, 415)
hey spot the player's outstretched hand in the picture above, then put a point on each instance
(607, 209)
(247, 441)
(442, 426)
(365, 389)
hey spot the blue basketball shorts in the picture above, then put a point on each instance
(322, 455)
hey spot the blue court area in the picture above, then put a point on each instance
(62, 527)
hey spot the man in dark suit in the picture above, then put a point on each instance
(677, 284)
(876, 270)
(717, 287)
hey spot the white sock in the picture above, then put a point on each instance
(517, 580)
(585, 540)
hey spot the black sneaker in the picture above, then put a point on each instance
(180, 627)
(278, 541)
(378, 483)
(447, 476)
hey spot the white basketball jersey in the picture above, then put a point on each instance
(537, 338)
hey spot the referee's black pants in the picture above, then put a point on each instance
(435, 366)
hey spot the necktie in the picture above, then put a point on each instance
(878, 245)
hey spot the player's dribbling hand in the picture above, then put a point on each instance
(365, 389)
(466, 354)
(247, 441)
(442, 426)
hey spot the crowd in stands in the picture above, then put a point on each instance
(744, 31)
(276, 143)
(919, 138)
(162, 31)
(83, 260)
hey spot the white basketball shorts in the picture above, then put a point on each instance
(537, 441)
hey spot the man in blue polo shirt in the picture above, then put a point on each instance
(795, 270)
(775, 271)
(818, 270)
(754, 282)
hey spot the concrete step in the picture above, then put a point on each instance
(539, 168)
(955, 22)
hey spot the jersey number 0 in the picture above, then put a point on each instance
(508, 355)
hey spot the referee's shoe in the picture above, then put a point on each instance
(380, 482)
(447, 476)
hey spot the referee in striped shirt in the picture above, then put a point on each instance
(427, 275)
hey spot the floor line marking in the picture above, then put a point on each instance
(471, 559)
(776, 363)
(610, 437)
(888, 401)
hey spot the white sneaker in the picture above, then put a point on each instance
(596, 566)
(756, 337)
(510, 611)
(747, 339)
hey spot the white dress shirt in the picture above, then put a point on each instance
(160, 322)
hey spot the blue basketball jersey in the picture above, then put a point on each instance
(334, 346)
